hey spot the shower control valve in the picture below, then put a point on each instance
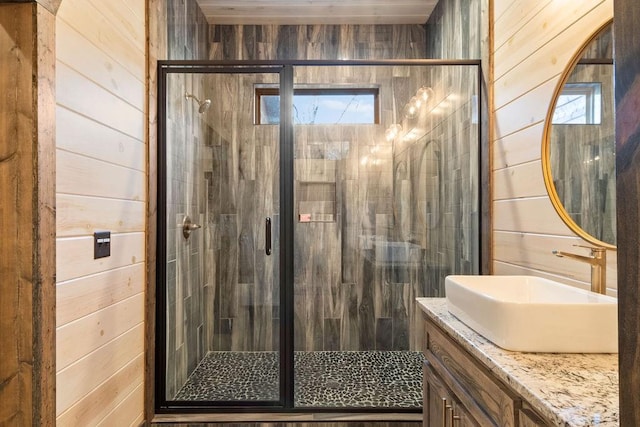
(188, 226)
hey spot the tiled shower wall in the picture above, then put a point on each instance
(242, 185)
(346, 298)
(350, 304)
(334, 288)
(454, 29)
(186, 132)
(437, 175)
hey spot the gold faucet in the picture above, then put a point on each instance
(598, 262)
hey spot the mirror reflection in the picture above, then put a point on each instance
(580, 170)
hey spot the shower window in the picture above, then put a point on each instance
(326, 105)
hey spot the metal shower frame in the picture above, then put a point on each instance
(286, 281)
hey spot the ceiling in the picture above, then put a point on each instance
(299, 12)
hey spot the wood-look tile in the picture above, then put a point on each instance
(243, 325)
(227, 262)
(331, 334)
(366, 315)
(349, 331)
(384, 338)
(401, 307)
(247, 232)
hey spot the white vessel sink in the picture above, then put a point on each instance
(531, 314)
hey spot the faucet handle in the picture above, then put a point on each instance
(593, 248)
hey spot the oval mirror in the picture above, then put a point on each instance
(578, 150)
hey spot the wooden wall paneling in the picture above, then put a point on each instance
(334, 12)
(156, 47)
(535, 251)
(118, 17)
(49, 5)
(27, 186)
(532, 215)
(500, 7)
(505, 268)
(514, 258)
(487, 127)
(524, 111)
(97, 65)
(139, 10)
(90, 22)
(627, 69)
(105, 398)
(519, 181)
(516, 148)
(512, 16)
(83, 175)
(543, 28)
(74, 384)
(81, 215)
(45, 265)
(75, 255)
(83, 336)
(126, 411)
(77, 93)
(542, 65)
(80, 135)
(80, 297)
(101, 185)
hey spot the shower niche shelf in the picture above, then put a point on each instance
(316, 201)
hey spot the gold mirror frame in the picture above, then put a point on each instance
(546, 147)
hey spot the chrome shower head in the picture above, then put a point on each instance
(202, 105)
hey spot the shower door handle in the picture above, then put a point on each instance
(267, 236)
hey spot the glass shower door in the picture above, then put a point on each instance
(386, 205)
(220, 171)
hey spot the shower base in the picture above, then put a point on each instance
(328, 379)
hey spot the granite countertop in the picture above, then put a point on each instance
(567, 389)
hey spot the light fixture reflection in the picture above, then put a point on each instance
(392, 132)
(424, 93)
(412, 108)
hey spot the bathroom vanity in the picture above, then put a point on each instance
(469, 381)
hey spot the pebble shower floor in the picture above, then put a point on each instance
(340, 379)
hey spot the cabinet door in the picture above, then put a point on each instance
(460, 417)
(441, 409)
(436, 399)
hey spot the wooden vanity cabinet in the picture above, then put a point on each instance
(458, 391)
(441, 408)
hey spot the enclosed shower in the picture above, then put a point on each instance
(302, 207)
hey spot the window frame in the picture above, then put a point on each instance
(592, 93)
(261, 91)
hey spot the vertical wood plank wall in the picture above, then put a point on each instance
(101, 185)
(533, 43)
(27, 214)
(627, 88)
(156, 28)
